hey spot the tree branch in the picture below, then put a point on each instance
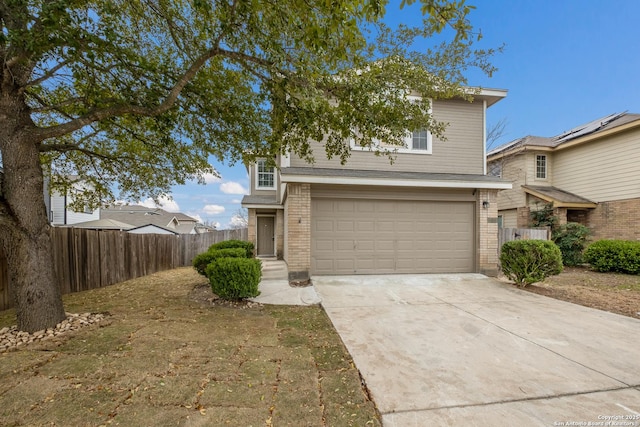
(47, 75)
(123, 109)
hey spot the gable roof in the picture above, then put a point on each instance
(138, 216)
(586, 132)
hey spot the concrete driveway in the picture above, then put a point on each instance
(468, 350)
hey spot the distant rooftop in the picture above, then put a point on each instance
(596, 126)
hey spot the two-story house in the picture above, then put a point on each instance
(591, 175)
(432, 211)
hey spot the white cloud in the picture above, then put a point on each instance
(237, 221)
(213, 209)
(164, 202)
(237, 201)
(210, 178)
(232, 187)
(215, 225)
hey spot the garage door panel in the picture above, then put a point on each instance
(323, 245)
(365, 226)
(364, 246)
(344, 245)
(387, 236)
(345, 225)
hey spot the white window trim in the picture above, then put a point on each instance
(546, 166)
(408, 142)
(257, 180)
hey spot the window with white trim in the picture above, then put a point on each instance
(265, 176)
(418, 142)
(541, 166)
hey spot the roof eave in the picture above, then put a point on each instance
(261, 206)
(559, 203)
(397, 182)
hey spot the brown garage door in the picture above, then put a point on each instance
(354, 236)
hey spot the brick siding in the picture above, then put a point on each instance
(487, 232)
(618, 219)
(298, 217)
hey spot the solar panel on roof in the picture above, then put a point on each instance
(587, 128)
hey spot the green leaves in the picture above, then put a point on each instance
(142, 93)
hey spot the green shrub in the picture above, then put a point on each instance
(227, 244)
(201, 261)
(620, 256)
(571, 238)
(530, 261)
(234, 278)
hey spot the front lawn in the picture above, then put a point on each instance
(165, 357)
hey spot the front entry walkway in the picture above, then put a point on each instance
(468, 350)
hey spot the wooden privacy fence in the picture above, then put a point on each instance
(508, 234)
(88, 259)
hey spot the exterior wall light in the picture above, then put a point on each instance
(485, 204)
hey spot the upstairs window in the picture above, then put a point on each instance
(495, 169)
(541, 166)
(265, 176)
(418, 142)
(421, 140)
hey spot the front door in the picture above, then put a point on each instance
(266, 236)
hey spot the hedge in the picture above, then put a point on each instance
(620, 256)
(530, 261)
(201, 261)
(234, 278)
(228, 244)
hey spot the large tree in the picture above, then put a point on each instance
(134, 96)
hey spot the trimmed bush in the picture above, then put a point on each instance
(620, 256)
(530, 261)
(571, 238)
(201, 261)
(234, 278)
(227, 244)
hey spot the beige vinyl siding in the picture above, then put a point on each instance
(601, 170)
(462, 152)
(509, 218)
(515, 170)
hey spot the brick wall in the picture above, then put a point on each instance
(487, 232)
(252, 229)
(298, 218)
(280, 233)
(615, 220)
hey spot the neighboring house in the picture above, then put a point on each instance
(142, 220)
(59, 206)
(591, 174)
(432, 211)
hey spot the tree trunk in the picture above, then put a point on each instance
(24, 225)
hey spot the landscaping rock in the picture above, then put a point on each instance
(11, 337)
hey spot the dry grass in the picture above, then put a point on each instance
(617, 293)
(165, 358)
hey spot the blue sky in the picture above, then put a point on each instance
(566, 62)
